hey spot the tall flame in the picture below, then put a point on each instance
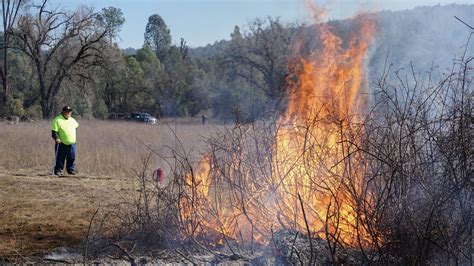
(316, 173)
(317, 137)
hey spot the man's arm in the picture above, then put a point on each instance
(54, 130)
(55, 136)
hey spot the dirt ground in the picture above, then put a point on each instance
(40, 211)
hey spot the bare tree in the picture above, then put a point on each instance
(10, 9)
(60, 45)
(260, 56)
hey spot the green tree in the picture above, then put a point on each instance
(177, 90)
(113, 19)
(22, 82)
(236, 35)
(111, 82)
(154, 77)
(157, 36)
(135, 88)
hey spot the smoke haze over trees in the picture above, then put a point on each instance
(73, 60)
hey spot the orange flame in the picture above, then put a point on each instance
(314, 144)
(314, 166)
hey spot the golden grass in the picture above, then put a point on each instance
(110, 148)
(41, 211)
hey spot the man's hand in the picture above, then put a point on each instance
(57, 141)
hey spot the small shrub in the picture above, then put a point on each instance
(13, 107)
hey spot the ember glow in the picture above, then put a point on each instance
(315, 176)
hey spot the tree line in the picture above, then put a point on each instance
(52, 57)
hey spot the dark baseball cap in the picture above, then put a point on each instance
(67, 109)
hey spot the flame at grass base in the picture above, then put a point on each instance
(315, 181)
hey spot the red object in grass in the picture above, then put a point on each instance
(158, 176)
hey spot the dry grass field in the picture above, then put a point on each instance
(40, 211)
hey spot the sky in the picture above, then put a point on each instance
(202, 22)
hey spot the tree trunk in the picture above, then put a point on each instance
(47, 97)
(9, 16)
(4, 97)
(6, 91)
(47, 104)
(4, 70)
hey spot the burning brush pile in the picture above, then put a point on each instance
(303, 173)
(336, 178)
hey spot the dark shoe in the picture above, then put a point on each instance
(57, 173)
(71, 173)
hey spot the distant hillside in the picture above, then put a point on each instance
(129, 51)
(209, 50)
(426, 36)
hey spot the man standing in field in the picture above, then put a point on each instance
(63, 131)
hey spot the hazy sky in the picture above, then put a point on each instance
(201, 22)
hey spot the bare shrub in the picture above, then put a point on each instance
(419, 148)
(144, 222)
(13, 120)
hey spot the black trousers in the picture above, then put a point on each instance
(65, 153)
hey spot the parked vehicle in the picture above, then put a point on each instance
(143, 117)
